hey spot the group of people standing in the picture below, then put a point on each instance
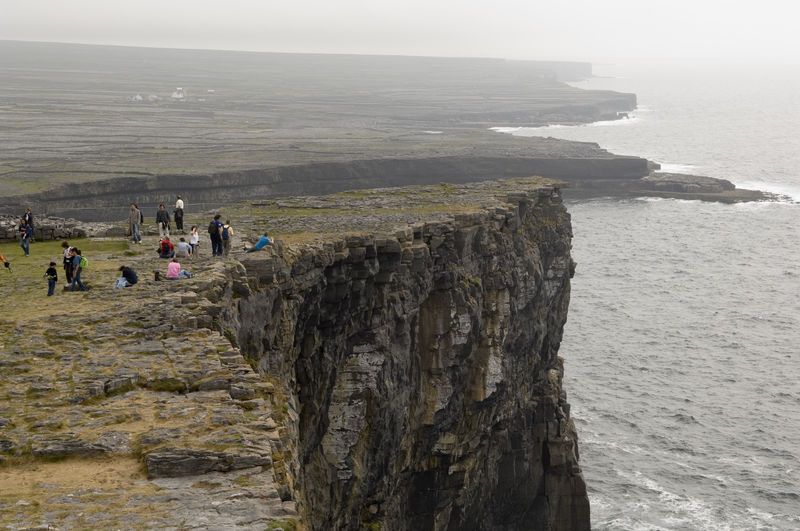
(163, 220)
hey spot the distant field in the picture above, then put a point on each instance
(73, 113)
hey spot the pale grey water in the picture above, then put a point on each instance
(682, 361)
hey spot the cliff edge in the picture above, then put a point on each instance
(392, 363)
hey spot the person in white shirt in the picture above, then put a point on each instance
(179, 214)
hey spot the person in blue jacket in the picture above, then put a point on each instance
(262, 242)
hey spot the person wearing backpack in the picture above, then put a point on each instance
(79, 264)
(215, 232)
(227, 238)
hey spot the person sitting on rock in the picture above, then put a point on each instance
(165, 248)
(183, 249)
(174, 271)
(262, 242)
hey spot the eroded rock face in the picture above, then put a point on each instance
(424, 369)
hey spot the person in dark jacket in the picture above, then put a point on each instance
(25, 237)
(129, 275)
(162, 218)
(67, 261)
(52, 277)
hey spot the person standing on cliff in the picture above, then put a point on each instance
(162, 219)
(179, 215)
(134, 221)
(67, 260)
(227, 237)
(215, 232)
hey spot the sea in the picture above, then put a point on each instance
(681, 347)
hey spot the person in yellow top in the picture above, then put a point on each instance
(6, 263)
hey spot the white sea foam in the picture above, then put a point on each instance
(535, 131)
(792, 193)
(432, 132)
(671, 167)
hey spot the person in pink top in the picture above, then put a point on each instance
(173, 270)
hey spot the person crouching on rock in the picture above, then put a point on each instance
(166, 249)
(128, 275)
(52, 277)
(262, 242)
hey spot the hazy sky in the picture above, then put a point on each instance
(598, 30)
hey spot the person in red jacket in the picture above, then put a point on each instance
(166, 249)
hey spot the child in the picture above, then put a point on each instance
(6, 263)
(194, 240)
(52, 277)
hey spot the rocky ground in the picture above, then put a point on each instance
(124, 408)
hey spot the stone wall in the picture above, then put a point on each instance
(50, 228)
(423, 383)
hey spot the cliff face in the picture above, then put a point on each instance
(423, 368)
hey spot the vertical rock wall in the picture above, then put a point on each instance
(424, 387)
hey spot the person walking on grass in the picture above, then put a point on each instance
(52, 277)
(25, 236)
(135, 223)
(79, 264)
(162, 219)
(67, 261)
(227, 237)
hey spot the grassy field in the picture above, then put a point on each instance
(24, 289)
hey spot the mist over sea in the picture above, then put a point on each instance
(682, 357)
